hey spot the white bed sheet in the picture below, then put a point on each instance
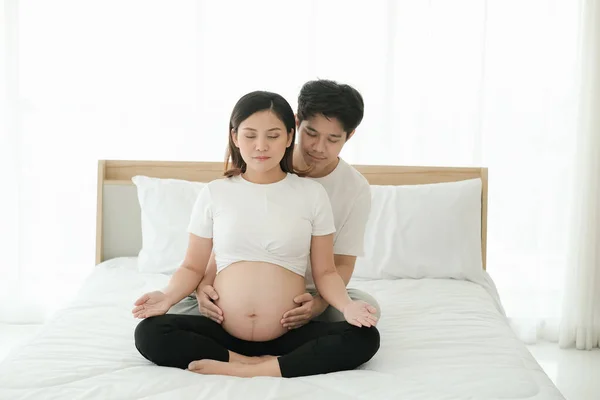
(440, 339)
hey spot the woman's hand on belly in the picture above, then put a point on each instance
(254, 296)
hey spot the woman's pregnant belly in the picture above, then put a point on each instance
(254, 296)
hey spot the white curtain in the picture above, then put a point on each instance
(580, 323)
(447, 82)
(10, 266)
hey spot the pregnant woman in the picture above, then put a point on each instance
(262, 222)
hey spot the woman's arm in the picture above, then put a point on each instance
(187, 278)
(192, 271)
(330, 284)
(182, 283)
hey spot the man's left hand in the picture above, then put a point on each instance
(308, 308)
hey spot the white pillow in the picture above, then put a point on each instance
(166, 206)
(424, 231)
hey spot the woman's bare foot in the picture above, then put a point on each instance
(213, 367)
(259, 359)
(238, 358)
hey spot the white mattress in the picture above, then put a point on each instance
(440, 339)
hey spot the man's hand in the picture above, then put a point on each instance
(308, 308)
(206, 297)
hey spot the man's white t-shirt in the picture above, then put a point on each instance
(350, 196)
(262, 222)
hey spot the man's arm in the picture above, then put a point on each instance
(206, 293)
(209, 275)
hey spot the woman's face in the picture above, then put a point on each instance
(262, 141)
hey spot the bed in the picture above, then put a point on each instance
(440, 338)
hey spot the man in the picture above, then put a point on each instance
(328, 115)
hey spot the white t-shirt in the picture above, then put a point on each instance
(271, 223)
(350, 196)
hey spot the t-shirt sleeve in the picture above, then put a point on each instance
(201, 220)
(351, 235)
(323, 215)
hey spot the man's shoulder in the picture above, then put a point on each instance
(353, 179)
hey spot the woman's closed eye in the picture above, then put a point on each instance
(269, 136)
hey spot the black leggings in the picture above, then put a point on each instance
(174, 340)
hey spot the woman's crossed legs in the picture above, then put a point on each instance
(202, 345)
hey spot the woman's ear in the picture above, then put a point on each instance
(290, 138)
(234, 138)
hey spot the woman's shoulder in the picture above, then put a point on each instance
(220, 186)
(307, 188)
(305, 183)
(221, 182)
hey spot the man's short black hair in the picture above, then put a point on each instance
(333, 100)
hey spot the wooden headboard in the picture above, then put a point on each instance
(115, 174)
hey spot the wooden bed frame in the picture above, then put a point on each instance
(119, 173)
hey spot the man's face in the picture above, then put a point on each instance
(320, 141)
